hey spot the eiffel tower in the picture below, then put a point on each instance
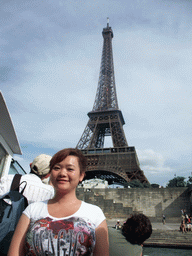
(118, 164)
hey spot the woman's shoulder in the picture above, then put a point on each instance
(92, 212)
(36, 208)
(90, 207)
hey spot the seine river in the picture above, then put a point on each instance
(149, 251)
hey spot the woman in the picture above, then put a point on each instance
(63, 225)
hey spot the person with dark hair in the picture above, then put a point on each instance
(136, 230)
(63, 225)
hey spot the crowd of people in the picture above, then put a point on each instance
(186, 219)
(56, 222)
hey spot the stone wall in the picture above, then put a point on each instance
(118, 203)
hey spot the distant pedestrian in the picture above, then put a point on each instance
(118, 225)
(163, 219)
(136, 230)
(188, 223)
(183, 227)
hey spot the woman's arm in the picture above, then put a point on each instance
(102, 241)
(17, 246)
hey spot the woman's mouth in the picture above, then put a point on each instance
(62, 180)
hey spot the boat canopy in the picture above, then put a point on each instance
(7, 130)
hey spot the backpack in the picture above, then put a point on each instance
(11, 212)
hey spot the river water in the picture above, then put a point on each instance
(149, 251)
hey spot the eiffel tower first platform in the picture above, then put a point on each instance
(118, 164)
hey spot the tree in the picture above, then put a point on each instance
(147, 185)
(154, 185)
(177, 182)
(135, 184)
(189, 182)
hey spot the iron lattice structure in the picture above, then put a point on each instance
(120, 163)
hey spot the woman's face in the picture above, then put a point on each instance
(65, 176)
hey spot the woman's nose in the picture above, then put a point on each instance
(63, 171)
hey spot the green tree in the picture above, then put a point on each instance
(135, 184)
(154, 185)
(189, 182)
(147, 185)
(177, 182)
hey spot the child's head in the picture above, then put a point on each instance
(137, 228)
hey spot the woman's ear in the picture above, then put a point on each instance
(82, 175)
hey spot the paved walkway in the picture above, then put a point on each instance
(117, 243)
(155, 225)
(167, 226)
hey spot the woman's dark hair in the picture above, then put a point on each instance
(137, 228)
(62, 154)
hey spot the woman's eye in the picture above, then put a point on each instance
(56, 168)
(70, 169)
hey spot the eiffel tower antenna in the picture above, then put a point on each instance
(107, 22)
(106, 119)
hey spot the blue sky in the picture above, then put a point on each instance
(49, 70)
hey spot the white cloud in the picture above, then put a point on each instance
(154, 166)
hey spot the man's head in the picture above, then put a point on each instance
(40, 165)
(137, 228)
